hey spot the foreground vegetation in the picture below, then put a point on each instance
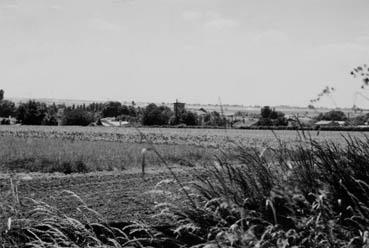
(314, 194)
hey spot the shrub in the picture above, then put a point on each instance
(333, 115)
(156, 115)
(77, 117)
(190, 119)
(112, 109)
(5, 122)
(270, 117)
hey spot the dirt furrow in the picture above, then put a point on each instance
(118, 197)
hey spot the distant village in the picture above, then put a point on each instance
(177, 114)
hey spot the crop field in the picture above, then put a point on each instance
(209, 138)
(104, 164)
(20, 154)
(87, 149)
(103, 167)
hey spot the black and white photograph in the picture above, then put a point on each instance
(184, 123)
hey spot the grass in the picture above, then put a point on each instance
(20, 154)
(37, 224)
(86, 149)
(315, 194)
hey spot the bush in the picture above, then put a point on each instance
(5, 122)
(190, 119)
(156, 115)
(112, 109)
(270, 117)
(334, 115)
(77, 117)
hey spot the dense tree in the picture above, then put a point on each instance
(334, 115)
(189, 118)
(50, 120)
(125, 110)
(7, 108)
(265, 122)
(31, 113)
(121, 112)
(77, 117)
(133, 111)
(270, 117)
(360, 120)
(156, 115)
(266, 111)
(51, 116)
(112, 109)
(95, 107)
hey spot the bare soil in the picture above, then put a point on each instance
(117, 196)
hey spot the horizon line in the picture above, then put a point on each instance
(64, 100)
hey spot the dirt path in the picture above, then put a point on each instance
(118, 196)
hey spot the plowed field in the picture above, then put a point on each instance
(118, 196)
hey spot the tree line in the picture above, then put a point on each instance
(35, 112)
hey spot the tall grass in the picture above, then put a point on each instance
(312, 194)
(31, 223)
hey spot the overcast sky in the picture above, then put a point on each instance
(246, 52)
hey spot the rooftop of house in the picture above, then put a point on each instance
(325, 122)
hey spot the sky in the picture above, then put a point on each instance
(262, 52)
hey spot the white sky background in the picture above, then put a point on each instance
(247, 52)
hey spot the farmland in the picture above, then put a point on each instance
(118, 196)
(60, 149)
(209, 138)
(20, 154)
(108, 161)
